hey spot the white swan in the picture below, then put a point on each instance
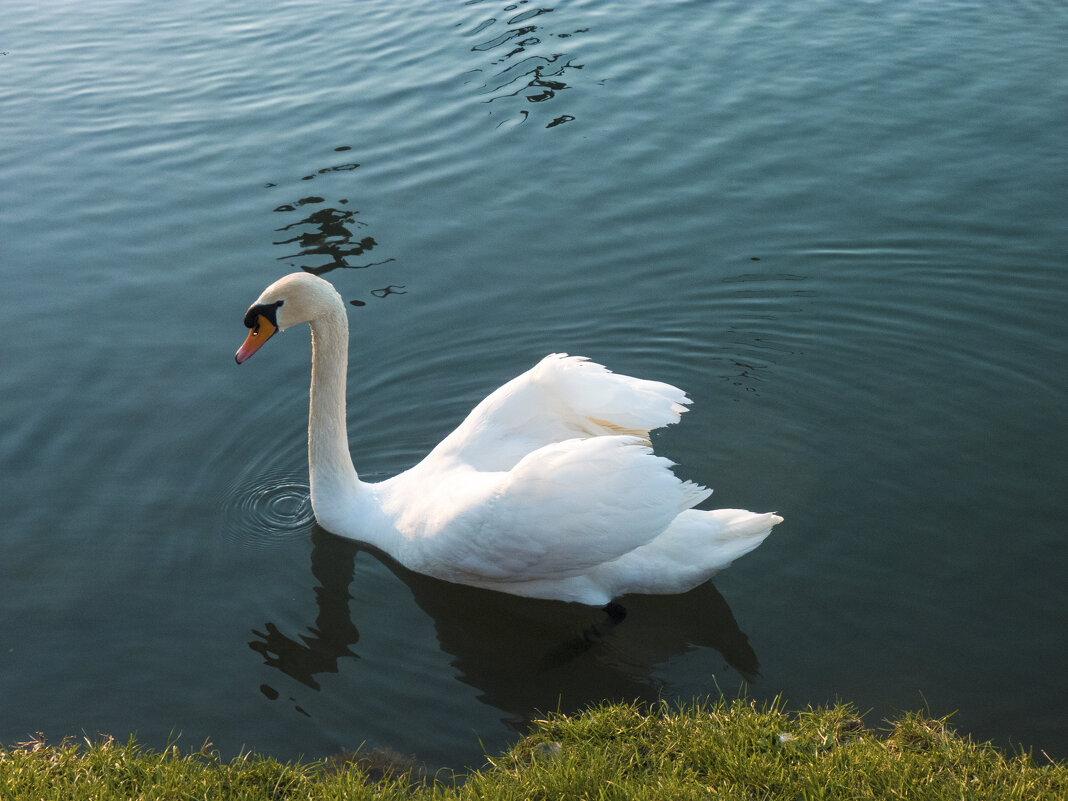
(549, 488)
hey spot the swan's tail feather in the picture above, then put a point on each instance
(741, 531)
(695, 546)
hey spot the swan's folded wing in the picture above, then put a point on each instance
(564, 509)
(560, 398)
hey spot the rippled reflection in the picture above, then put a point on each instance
(326, 232)
(528, 59)
(755, 345)
(328, 235)
(522, 655)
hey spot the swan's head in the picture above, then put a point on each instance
(295, 298)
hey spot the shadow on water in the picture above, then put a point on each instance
(522, 655)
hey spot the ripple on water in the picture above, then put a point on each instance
(267, 509)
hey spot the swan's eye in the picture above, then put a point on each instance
(260, 312)
(265, 323)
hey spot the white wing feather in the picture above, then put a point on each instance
(562, 397)
(609, 494)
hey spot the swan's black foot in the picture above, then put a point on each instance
(616, 612)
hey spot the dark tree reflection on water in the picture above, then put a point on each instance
(522, 655)
(329, 233)
(527, 62)
(328, 236)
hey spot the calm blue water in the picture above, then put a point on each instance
(839, 226)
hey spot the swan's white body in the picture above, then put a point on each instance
(549, 488)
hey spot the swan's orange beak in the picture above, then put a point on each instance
(262, 330)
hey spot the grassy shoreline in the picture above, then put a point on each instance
(725, 749)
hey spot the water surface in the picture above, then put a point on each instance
(838, 226)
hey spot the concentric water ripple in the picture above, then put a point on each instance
(268, 510)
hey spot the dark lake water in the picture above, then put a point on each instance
(839, 226)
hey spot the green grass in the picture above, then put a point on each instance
(729, 750)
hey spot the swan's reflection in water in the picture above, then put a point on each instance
(329, 639)
(522, 655)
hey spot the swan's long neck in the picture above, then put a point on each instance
(334, 484)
